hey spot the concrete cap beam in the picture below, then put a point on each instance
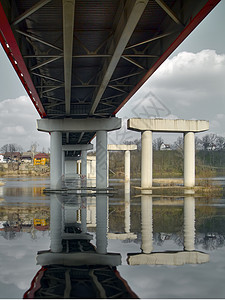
(77, 147)
(78, 125)
(166, 125)
(121, 147)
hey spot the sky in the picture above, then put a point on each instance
(188, 85)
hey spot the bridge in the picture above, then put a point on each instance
(81, 61)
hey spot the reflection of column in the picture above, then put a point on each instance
(55, 223)
(56, 160)
(101, 159)
(146, 226)
(70, 213)
(101, 223)
(189, 159)
(84, 215)
(189, 223)
(127, 206)
(127, 165)
(84, 163)
(146, 159)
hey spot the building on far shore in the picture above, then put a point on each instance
(27, 157)
(41, 159)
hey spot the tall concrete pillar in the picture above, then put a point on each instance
(189, 223)
(127, 165)
(146, 221)
(189, 159)
(78, 167)
(101, 159)
(146, 159)
(63, 163)
(55, 223)
(56, 160)
(84, 163)
(101, 224)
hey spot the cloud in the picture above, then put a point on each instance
(18, 124)
(187, 86)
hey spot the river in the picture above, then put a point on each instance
(163, 247)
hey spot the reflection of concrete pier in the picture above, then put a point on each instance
(80, 270)
(127, 234)
(72, 233)
(188, 256)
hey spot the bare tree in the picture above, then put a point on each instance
(157, 143)
(11, 148)
(208, 140)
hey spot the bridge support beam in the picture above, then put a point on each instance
(146, 159)
(126, 149)
(189, 159)
(101, 159)
(86, 125)
(84, 163)
(56, 160)
(147, 126)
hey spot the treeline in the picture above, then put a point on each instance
(210, 158)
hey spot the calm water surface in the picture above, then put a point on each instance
(155, 237)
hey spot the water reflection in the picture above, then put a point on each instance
(187, 256)
(73, 267)
(103, 246)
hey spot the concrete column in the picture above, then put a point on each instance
(84, 163)
(189, 223)
(146, 159)
(101, 159)
(78, 167)
(127, 165)
(146, 221)
(63, 163)
(55, 223)
(56, 160)
(107, 168)
(70, 168)
(101, 224)
(189, 159)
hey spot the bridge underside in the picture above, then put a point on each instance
(86, 58)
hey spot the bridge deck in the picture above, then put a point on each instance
(86, 58)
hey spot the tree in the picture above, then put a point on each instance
(157, 143)
(220, 143)
(11, 148)
(208, 140)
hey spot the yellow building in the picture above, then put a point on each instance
(41, 159)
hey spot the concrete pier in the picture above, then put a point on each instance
(126, 149)
(189, 159)
(101, 159)
(188, 127)
(146, 159)
(100, 126)
(84, 164)
(56, 160)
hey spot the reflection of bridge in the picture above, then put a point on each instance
(81, 61)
